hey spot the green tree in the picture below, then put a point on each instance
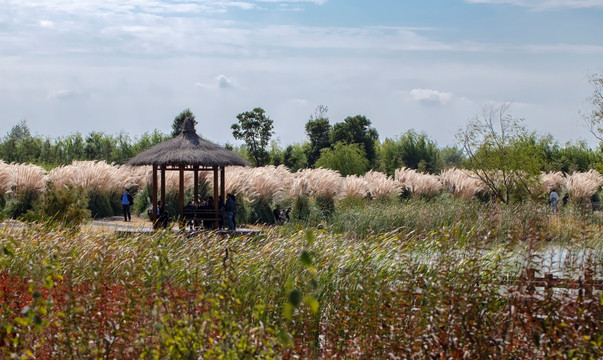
(357, 130)
(148, 140)
(255, 128)
(348, 159)
(179, 120)
(412, 150)
(277, 154)
(20, 146)
(318, 129)
(595, 118)
(99, 146)
(499, 151)
(71, 148)
(452, 157)
(295, 157)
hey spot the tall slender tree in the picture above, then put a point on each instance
(317, 130)
(255, 128)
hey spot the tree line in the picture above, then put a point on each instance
(491, 140)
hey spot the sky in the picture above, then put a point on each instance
(70, 66)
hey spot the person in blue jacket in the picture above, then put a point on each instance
(126, 202)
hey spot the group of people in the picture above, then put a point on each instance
(229, 207)
(230, 210)
(162, 217)
(281, 216)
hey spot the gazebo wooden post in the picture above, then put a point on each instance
(181, 194)
(223, 182)
(216, 185)
(154, 196)
(163, 185)
(196, 179)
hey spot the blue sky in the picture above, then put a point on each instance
(99, 65)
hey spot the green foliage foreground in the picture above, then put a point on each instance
(309, 294)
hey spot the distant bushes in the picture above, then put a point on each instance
(66, 205)
(18, 204)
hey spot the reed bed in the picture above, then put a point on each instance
(302, 294)
(278, 183)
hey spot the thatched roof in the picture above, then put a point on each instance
(187, 149)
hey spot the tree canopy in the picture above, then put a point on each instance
(348, 159)
(357, 130)
(318, 129)
(500, 153)
(412, 150)
(255, 128)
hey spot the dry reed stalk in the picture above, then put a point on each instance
(322, 182)
(172, 180)
(235, 180)
(5, 178)
(584, 185)
(267, 182)
(89, 174)
(461, 183)
(550, 181)
(418, 183)
(139, 175)
(26, 176)
(354, 186)
(380, 185)
(298, 186)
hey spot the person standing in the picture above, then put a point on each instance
(278, 214)
(554, 200)
(231, 211)
(126, 202)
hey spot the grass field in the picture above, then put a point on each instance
(434, 280)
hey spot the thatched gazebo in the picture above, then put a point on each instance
(187, 152)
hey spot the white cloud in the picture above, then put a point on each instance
(70, 95)
(544, 4)
(46, 24)
(224, 82)
(431, 97)
(317, 2)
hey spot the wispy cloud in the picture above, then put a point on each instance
(545, 4)
(162, 28)
(317, 2)
(431, 97)
(70, 95)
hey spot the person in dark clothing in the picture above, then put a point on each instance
(278, 214)
(126, 202)
(221, 209)
(162, 216)
(231, 210)
(287, 216)
(190, 220)
(565, 199)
